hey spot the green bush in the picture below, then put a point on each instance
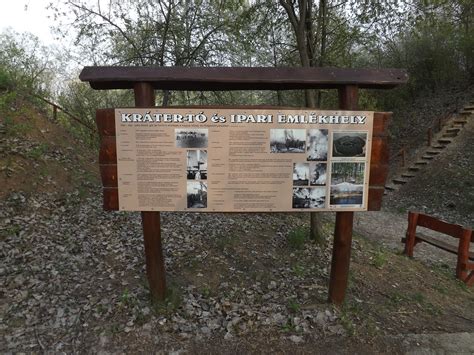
(297, 237)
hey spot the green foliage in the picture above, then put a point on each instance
(206, 291)
(13, 230)
(38, 151)
(172, 302)
(25, 64)
(5, 80)
(299, 270)
(297, 237)
(294, 306)
(14, 129)
(379, 259)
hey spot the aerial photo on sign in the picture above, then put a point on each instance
(231, 160)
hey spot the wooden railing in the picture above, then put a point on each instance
(56, 107)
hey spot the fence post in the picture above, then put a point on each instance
(55, 113)
(429, 136)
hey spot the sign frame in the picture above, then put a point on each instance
(145, 80)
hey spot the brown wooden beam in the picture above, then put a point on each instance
(341, 256)
(239, 78)
(155, 262)
(341, 252)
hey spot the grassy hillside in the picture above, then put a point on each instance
(38, 155)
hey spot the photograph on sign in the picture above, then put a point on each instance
(300, 174)
(349, 144)
(196, 194)
(242, 160)
(196, 164)
(347, 183)
(317, 145)
(318, 174)
(191, 138)
(309, 197)
(287, 140)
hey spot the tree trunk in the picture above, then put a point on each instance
(302, 25)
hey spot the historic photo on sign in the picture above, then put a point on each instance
(300, 174)
(191, 138)
(287, 140)
(317, 174)
(347, 184)
(196, 164)
(197, 194)
(349, 144)
(309, 197)
(317, 149)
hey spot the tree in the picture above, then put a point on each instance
(152, 32)
(26, 64)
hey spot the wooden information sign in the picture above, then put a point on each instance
(234, 160)
(368, 168)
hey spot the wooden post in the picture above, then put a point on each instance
(463, 255)
(402, 157)
(429, 135)
(341, 252)
(155, 262)
(411, 233)
(55, 113)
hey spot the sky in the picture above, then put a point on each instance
(27, 16)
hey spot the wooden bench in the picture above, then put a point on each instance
(465, 266)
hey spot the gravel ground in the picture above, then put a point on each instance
(73, 278)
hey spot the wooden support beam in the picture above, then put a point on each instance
(341, 252)
(341, 256)
(235, 78)
(155, 262)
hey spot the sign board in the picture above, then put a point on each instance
(242, 160)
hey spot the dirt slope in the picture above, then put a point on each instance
(37, 155)
(445, 188)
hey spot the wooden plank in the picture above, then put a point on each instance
(381, 121)
(468, 266)
(155, 262)
(341, 254)
(470, 279)
(411, 233)
(463, 254)
(108, 150)
(437, 243)
(108, 173)
(374, 202)
(348, 97)
(380, 152)
(435, 224)
(453, 249)
(378, 174)
(239, 78)
(111, 198)
(105, 121)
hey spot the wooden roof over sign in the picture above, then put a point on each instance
(241, 78)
